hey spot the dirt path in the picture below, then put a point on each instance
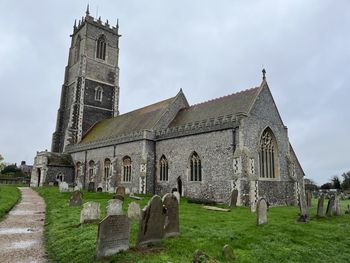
(21, 232)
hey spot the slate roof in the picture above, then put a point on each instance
(137, 120)
(230, 104)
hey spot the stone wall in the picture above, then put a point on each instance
(53, 171)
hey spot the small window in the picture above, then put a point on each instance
(98, 93)
(101, 48)
(126, 169)
(91, 170)
(163, 173)
(196, 168)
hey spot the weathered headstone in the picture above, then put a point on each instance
(113, 235)
(320, 206)
(233, 198)
(134, 211)
(261, 212)
(304, 216)
(119, 197)
(177, 195)
(347, 211)
(115, 207)
(171, 227)
(120, 190)
(330, 206)
(151, 227)
(63, 186)
(336, 208)
(308, 198)
(91, 187)
(90, 212)
(227, 252)
(76, 198)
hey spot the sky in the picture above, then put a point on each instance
(207, 48)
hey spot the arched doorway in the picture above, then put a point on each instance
(39, 176)
(179, 185)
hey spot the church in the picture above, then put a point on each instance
(205, 151)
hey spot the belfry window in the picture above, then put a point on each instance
(126, 169)
(163, 173)
(267, 155)
(195, 168)
(101, 48)
(98, 94)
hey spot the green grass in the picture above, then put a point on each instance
(9, 196)
(281, 240)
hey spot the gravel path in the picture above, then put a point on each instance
(21, 232)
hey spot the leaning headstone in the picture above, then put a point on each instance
(261, 212)
(177, 195)
(90, 212)
(303, 218)
(308, 198)
(320, 206)
(120, 190)
(330, 206)
(227, 253)
(133, 196)
(336, 208)
(76, 198)
(115, 207)
(134, 211)
(113, 235)
(171, 227)
(91, 187)
(233, 198)
(151, 227)
(63, 186)
(347, 211)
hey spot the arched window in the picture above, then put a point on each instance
(268, 155)
(77, 49)
(60, 177)
(126, 169)
(77, 171)
(195, 167)
(98, 93)
(107, 168)
(91, 170)
(101, 48)
(163, 173)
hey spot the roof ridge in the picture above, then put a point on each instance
(222, 97)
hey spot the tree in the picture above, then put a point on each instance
(326, 186)
(345, 185)
(336, 182)
(2, 165)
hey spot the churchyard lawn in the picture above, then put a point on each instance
(282, 239)
(9, 196)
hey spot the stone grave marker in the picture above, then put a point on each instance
(113, 235)
(308, 198)
(261, 212)
(347, 211)
(115, 207)
(172, 225)
(151, 227)
(320, 206)
(134, 211)
(233, 198)
(120, 190)
(91, 187)
(177, 195)
(90, 212)
(336, 208)
(330, 206)
(303, 218)
(63, 186)
(76, 198)
(227, 252)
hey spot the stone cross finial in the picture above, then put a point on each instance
(264, 73)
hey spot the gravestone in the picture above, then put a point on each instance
(233, 198)
(303, 218)
(119, 197)
(76, 198)
(261, 212)
(308, 195)
(330, 206)
(177, 195)
(151, 227)
(113, 236)
(336, 208)
(227, 253)
(134, 211)
(347, 211)
(120, 190)
(115, 207)
(320, 206)
(90, 212)
(91, 187)
(63, 186)
(171, 227)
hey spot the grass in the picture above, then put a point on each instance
(9, 196)
(281, 240)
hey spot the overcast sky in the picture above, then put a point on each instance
(207, 48)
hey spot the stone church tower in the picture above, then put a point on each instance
(90, 91)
